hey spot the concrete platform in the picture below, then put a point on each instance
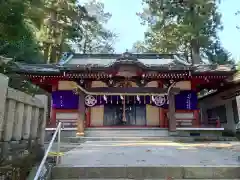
(151, 159)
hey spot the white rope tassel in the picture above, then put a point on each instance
(138, 98)
(153, 99)
(105, 98)
(121, 97)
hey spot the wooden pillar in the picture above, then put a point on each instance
(171, 111)
(88, 117)
(196, 118)
(161, 110)
(161, 118)
(81, 115)
(53, 116)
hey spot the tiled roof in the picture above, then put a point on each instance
(101, 62)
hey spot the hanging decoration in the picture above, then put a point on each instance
(185, 100)
(90, 100)
(138, 99)
(152, 99)
(105, 98)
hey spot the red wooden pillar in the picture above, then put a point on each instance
(161, 118)
(161, 110)
(53, 109)
(171, 110)
(195, 112)
(165, 118)
(196, 117)
(88, 117)
(81, 115)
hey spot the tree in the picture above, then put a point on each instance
(30, 29)
(17, 38)
(63, 23)
(40, 31)
(139, 47)
(96, 38)
(183, 26)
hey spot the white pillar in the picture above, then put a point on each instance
(27, 121)
(42, 118)
(34, 123)
(10, 117)
(18, 123)
(3, 96)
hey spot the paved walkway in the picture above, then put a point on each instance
(147, 153)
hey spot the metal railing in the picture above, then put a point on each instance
(40, 168)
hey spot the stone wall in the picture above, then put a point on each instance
(22, 120)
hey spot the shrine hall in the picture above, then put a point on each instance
(125, 90)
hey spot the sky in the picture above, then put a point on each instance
(127, 25)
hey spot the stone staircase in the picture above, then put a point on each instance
(129, 134)
(148, 173)
(126, 132)
(132, 153)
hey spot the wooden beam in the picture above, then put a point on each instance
(127, 91)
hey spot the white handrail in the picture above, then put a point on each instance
(57, 131)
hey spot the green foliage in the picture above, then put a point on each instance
(186, 27)
(96, 38)
(39, 31)
(16, 35)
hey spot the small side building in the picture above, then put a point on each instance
(222, 104)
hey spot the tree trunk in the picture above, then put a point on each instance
(195, 49)
(85, 47)
(53, 57)
(46, 52)
(195, 52)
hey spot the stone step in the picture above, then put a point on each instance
(126, 132)
(79, 140)
(145, 179)
(162, 172)
(129, 134)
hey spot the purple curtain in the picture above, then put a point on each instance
(185, 100)
(65, 100)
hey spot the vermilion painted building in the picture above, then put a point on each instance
(125, 90)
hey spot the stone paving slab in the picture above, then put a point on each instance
(147, 172)
(147, 153)
(150, 159)
(146, 179)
